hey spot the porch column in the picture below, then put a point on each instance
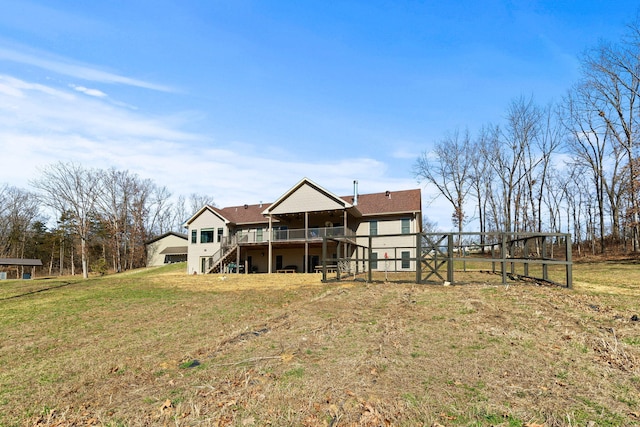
(238, 260)
(345, 232)
(270, 233)
(306, 242)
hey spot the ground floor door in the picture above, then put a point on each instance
(313, 262)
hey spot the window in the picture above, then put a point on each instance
(406, 262)
(373, 228)
(259, 237)
(220, 233)
(406, 226)
(194, 236)
(206, 235)
(374, 260)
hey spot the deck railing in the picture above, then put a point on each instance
(288, 235)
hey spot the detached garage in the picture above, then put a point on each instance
(166, 249)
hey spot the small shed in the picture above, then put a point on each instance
(20, 264)
(166, 249)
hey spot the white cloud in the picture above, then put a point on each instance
(40, 125)
(408, 152)
(91, 92)
(73, 69)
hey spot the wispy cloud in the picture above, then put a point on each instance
(73, 69)
(91, 92)
(41, 124)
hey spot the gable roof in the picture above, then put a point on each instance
(170, 233)
(209, 208)
(386, 203)
(307, 191)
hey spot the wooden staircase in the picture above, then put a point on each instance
(221, 258)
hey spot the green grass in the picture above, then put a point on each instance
(290, 350)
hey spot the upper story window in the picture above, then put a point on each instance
(406, 226)
(373, 228)
(206, 235)
(194, 236)
(220, 233)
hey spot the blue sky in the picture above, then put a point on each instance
(242, 99)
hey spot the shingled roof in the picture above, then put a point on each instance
(247, 214)
(29, 262)
(389, 202)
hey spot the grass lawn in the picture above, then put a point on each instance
(159, 347)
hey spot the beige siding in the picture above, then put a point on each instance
(198, 250)
(154, 257)
(386, 226)
(306, 199)
(390, 241)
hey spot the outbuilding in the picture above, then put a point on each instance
(166, 249)
(19, 264)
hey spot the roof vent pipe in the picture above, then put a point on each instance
(355, 192)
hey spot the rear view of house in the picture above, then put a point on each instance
(287, 235)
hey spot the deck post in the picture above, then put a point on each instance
(306, 242)
(270, 260)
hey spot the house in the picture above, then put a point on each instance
(166, 249)
(287, 235)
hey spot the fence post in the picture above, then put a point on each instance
(450, 260)
(324, 259)
(545, 267)
(569, 266)
(338, 258)
(369, 257)
(525, 253)
(418, 257)
(503, 259)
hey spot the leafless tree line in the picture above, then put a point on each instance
(568, 167)
(101, 218)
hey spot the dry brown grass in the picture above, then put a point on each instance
(161, 348)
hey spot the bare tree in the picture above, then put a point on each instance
(18, 212)
(512, 158)
(590, 144)
(611, 75)
(480, 180)
(70, 188)
(541, 161)
(448, 168)
(197, 201)
(113, 205)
